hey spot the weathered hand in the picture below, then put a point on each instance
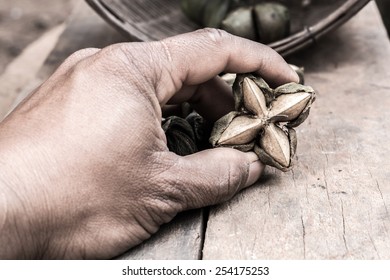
(85, 169)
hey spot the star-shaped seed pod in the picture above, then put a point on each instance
(263, 119)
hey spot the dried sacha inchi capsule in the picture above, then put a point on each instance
(208, 13)
(186, 134)
(257, 20)
(265, 22)
(180, 136)
(264, 119)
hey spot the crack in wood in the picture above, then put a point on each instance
(326, 188)
(381, 194)
(379, 86)
(269, 198)
(240, 247)
(303, 237)
(343, 217)
(203, 229)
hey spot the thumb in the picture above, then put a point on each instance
(216, 175)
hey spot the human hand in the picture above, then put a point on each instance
(85, 169)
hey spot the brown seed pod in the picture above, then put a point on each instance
(264, 119)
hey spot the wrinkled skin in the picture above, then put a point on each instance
(85, 169)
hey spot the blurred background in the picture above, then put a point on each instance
(23, 21)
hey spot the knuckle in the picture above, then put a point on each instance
(184, 188)
(80, 54)
(173, 196)
(130, 59)
(75, 59)
(217, 36)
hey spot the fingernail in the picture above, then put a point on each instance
(294, 75)
(256, 168)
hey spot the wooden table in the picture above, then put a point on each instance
(334, 204)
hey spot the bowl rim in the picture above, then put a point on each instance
(291, 44)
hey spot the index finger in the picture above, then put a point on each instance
(196, 57)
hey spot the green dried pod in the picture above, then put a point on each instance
(194, 9)
(214, 12)
(272, 21)
(180, 136)
(240, 22)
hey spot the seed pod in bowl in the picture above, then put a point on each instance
(240, 22)
(272, 21)
(193, 9)
(214, 12)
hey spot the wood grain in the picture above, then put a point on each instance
(85, 29)
(23, 69)
(335, 203)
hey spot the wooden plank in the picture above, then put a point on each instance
(23, 69)
(183, 237)
(335, 203)
(85, 30)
